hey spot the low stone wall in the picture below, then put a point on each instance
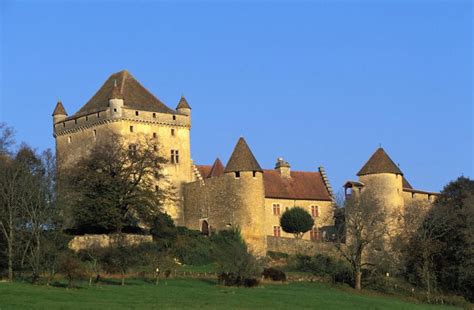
(102, 241)
(298, 246)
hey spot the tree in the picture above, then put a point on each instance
(71, 267)
(296, 221)
(114, 186)
(365, 225)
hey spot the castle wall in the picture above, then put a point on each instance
(226, 202)
(325, 218)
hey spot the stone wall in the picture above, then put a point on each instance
(87, 241)
(299, 246)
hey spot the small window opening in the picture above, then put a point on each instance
(131, 128)
(254, 173)
(237, 174)
(64, 124)
(174, 156)
(172, 132)
(69, 139)
(87, 118)
(154, 135)
(136, 113)
(155, 148)
(154, 115)
(98, 114)
(95, 133)
(115, 110)
(75, 121)
(132, 149)
(156, 188)
(174, 117)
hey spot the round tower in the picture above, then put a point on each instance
(115, 102)
(248, 187)
(59, 113)
(383, 181)
(183, 107)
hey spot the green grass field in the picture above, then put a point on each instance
(189, 293)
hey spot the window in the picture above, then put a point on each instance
(155, 148)
(154, 115)
(136, 113)
(174, 117)
(237, 174)
(314, 211)
(174, 156)
(154, 135)
(132, 149)
(314, 233)
(156, 174)
(64, 124)
(156, 188)
(75, 121)
(172, 132)
(276, 209)
(115, 110)
(69, 139)
(131, 128)
(276, 231)
(254, 173)
(94, 132)
(98, 114)
(87, 118)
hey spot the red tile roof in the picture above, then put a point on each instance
(379, 162)
(301, 186)
(217, 169)
(204, 170)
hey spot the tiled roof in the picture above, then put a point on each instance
(204, 170)
(301, 186)
(406, 184)
(217, 169)
(135, 96)
(59, 109)
(183, 104)
(242, 159)
(379, 162)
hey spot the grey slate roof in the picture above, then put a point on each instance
(242, 159)
(379, 162)
(183, 104)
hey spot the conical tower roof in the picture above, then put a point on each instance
(217, 169)
(134, 95)
(242, 159)
(59, 109)
(379, 162)
(183, 104)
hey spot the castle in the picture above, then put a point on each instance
(214, 197)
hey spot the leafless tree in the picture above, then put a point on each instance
(365, 229)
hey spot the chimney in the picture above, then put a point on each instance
(283, 168)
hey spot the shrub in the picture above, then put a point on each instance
(192, 248)
(296, 221)
(274, 274)
(71, 267)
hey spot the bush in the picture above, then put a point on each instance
(192, 248)
(231, 279)
(324, 266)
(274, 274)
(296, 221)
(71, 267)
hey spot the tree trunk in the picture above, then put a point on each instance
(10, 258)
(123, 279)
(357, 279)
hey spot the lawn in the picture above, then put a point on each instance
(190, 293)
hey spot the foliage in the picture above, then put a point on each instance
(296, 221)
(236, 265)
(113, 186)
(273, 274)
(192, 248)
(163, 229)
(71, 267)
(324, 266)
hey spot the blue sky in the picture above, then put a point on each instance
(318, 83)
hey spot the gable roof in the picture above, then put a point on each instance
(242, 159)
(301, 186)
(379, 162)
(183, 104)
(217, 169)
(59, 109)
(135, 96)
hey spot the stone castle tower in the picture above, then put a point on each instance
(124, 107)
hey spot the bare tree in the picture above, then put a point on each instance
(365, 229)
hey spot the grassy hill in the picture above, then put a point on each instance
(191, 293)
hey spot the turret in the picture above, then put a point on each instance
(246, 178)
(59, 113)
(183, 107)
(115, 102)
